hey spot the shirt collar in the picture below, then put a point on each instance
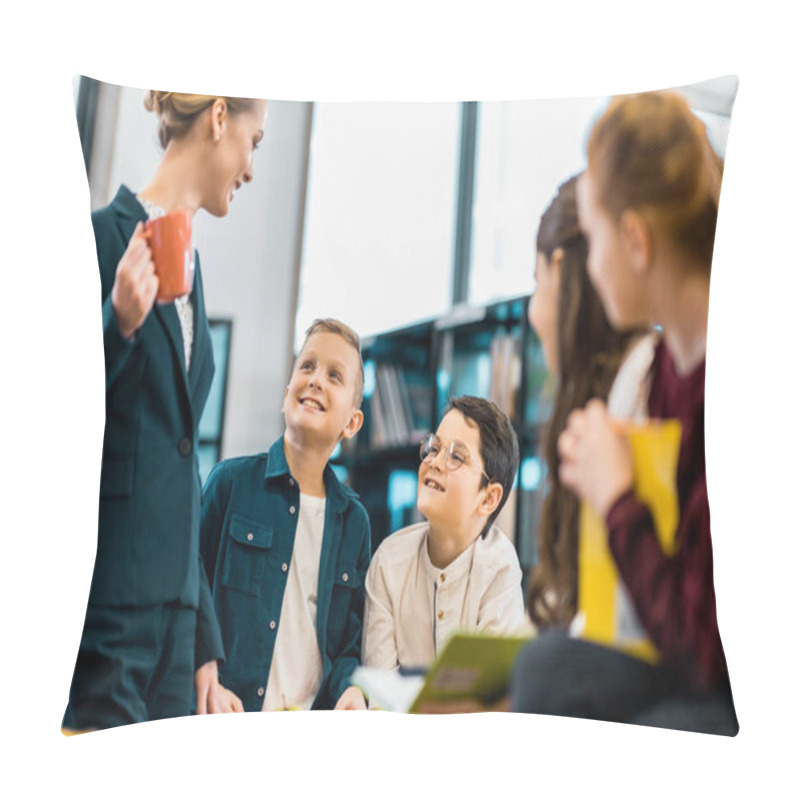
(127, 205)
(337, 494)
(153, 211)
(457, 568)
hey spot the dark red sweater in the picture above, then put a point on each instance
(674, 596)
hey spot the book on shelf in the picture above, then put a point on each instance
(507, 518)
(377, 433)
(396, 406)
(420, 393)
(391, 403)
(506, 361)
(405, 401)
(530, 514)
(383, 391)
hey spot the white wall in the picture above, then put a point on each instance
(250, 258)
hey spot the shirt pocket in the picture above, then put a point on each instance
(247, 546)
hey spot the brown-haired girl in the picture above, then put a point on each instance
(584, 352)
(648, 205)
(149, 603)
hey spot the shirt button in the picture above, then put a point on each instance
(249, 537)
(284, 567)
(442, 577)
(185, 446)
(272, 624)
(441, 615)
(292, 509)
(291, 481)
(345, 577)
(260, 691)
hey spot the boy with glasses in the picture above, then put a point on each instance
(457, 571)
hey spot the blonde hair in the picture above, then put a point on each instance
(177, 112)
(329, 325)
(650, 153)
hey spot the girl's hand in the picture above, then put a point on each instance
(351, 700)
(596, 461)
(135, 284)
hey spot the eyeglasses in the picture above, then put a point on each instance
(455, 456)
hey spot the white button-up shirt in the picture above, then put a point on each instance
(412, 607)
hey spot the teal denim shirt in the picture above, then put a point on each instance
(247, 534)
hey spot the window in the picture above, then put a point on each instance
(525, 149)
(383, 199)
(378, 238)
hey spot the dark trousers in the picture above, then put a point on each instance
(134, 664)
(558, 675)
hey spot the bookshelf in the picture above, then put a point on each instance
(410, 373)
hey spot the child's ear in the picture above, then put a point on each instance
(353, 424)
(285, 398)
(492, 498)
(638, 239)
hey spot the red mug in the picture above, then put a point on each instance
(170, 240)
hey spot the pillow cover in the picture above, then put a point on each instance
(178, 567)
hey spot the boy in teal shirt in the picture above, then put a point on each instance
(286, 546)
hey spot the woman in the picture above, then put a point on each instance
(149, 605)
(648, 203)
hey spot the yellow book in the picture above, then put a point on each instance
(603, 603)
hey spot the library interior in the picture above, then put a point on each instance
(413, 223)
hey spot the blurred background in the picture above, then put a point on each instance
(414, 223)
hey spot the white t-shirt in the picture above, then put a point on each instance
(413, 607)
(630, 391)
(296, 671)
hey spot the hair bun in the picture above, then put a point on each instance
(157, 101)
(177, 112)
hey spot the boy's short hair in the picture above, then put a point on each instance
(329, 325)
(499, 446)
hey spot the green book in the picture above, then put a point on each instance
(472, 666)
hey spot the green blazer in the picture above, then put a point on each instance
(149, 521)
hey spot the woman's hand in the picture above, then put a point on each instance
(135, 284)
(352, 699)
(596, 461)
